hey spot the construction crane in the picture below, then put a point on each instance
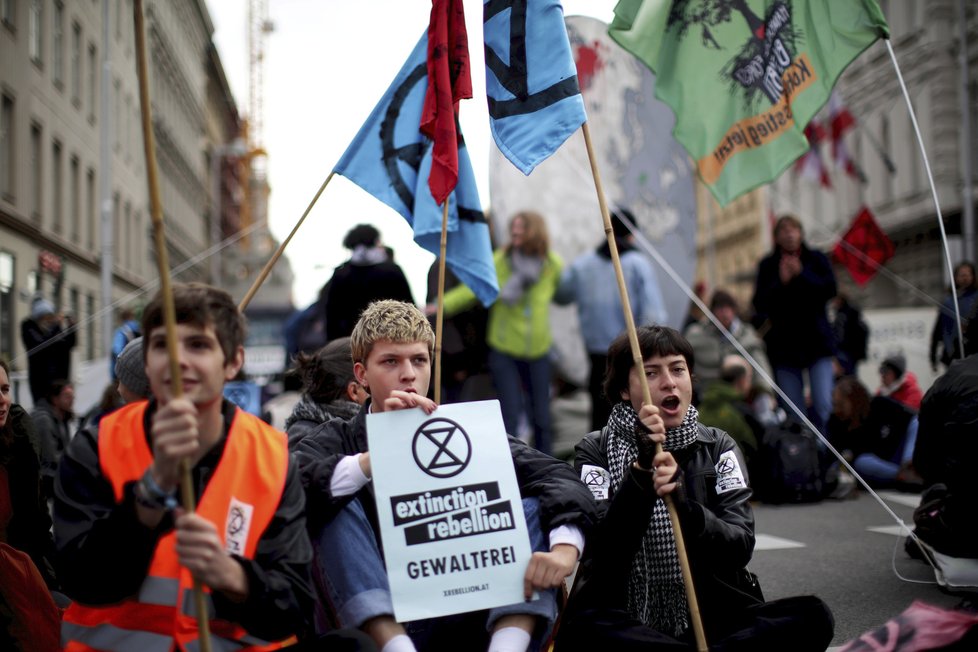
(255, 162)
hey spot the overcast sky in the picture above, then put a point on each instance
(327, 63)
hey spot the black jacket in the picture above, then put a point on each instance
(53, 361)
(353, 287)
(718, 529)
(29, 529)
(564, 500)
(792, 316)
(104, 550)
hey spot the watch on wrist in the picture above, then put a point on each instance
(150, 495)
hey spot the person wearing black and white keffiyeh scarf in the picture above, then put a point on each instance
(656, 594)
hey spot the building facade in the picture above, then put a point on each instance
(51, 178)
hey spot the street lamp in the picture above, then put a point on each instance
(219, 151)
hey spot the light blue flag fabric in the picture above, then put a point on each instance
(390, 158)
(535, 102)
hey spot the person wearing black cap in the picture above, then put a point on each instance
(590, 282)
(898, 383)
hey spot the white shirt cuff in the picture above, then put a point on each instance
(348, 477)
(570, 534)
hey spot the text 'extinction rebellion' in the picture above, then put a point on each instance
(452, 513)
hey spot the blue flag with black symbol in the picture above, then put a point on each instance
(535, 102)
(390, 158)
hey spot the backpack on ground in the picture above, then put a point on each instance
(788, 470)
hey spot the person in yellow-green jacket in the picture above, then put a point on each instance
(518, 333)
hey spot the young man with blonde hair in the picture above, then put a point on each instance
(392, 345)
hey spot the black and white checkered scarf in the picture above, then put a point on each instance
(656, 594)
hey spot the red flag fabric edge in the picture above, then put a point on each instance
(449, 80)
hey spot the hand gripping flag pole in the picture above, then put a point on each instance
(169, 312)
(639, 362)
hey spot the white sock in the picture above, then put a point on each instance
(509, 639)
(400, 643)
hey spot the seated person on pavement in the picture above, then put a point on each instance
(392, 346)
(629, 592)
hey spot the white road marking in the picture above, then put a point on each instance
(769, 542)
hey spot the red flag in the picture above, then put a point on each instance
(840, 122)
(864, 248)
(810, 165)
(448, 82)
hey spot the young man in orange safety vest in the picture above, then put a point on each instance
(128, 555)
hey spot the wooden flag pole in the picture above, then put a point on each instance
(266, 270)
(166, 291)
(440, 314)
(639, 362)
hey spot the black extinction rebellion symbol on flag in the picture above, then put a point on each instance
(441, 448)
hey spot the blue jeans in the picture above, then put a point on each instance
(350, 575)
(510, 375)
(820, 381)
(878, 471)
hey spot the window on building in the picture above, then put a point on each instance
(90, 220)
(37, 178)
(7, 147)
(58, 45)
(92, 325)
(34, 42)
(7, 13)
(887, 142)
(57, 188)
(75, 215)
(116, 223)
(92, 80)
(117, 114)
(76, 56)
(7, 285)
(74, 303)
(126, 235)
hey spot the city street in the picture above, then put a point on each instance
(845, 552)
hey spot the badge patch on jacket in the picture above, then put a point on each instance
(729, 474)
(237, 526)
(597, 480)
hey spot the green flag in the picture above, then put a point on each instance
(744, 77)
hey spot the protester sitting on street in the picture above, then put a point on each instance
(392, 346)
(900, 384)
(724, 405)
(590, 282)
(127, 331)
(946, 450)
(876, 435)
(712, 346)
(52, 417)
(28, 614)
(629, 592)
(131, 372)
(127, 554)
(519, 333)
(329, 389)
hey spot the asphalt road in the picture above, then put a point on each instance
(849, 554)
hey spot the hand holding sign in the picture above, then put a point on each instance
(547, 570)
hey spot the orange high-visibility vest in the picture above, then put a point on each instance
(240, 500)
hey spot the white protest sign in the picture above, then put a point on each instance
(451, 516)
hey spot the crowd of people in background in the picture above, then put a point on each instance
(729, 385)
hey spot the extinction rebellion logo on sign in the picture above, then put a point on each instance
(442, 449)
